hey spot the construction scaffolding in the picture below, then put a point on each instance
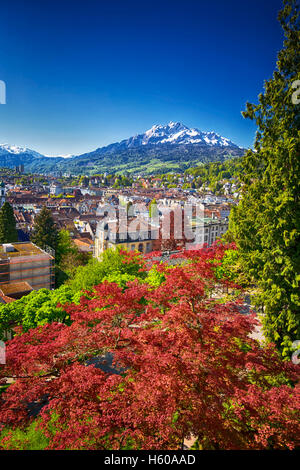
(27, 263)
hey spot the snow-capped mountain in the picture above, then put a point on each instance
(6, 149)
(173, 133)
(173, 144)
(178, 134)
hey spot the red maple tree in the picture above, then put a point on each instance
(146, 368)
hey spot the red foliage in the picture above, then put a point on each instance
(185, 365)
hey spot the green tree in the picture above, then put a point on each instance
(30, 438)
(44, 231)
(8, 231)
(129, 208)
(37, 308)
(68, 258)
(153, 211)
(65, 245)
(266, 223)
(112, 267)
(44, 306)
(84, 181)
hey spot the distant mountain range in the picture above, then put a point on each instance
(173, 147)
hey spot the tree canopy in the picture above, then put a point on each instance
(150, 365)
(45, 232)
(266, 223)
(44, 306)
(8, 231)
(115, 265)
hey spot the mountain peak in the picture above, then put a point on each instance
(172, 142)
(6, 149)
(12, 148)
(176, 133)
(173, 125)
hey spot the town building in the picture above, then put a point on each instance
(56, 189)
(207, 230)
(130, 234)
(24, 267)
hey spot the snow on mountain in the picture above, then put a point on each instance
(6, 149)
(69, 155)
(172, 136)
(15, 150)
(177, 134)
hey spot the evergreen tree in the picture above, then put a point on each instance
(44, 231)
(266, 223)
(8, 231)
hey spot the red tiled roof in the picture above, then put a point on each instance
(5, 299)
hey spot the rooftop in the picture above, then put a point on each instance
(21, 249)
(12, 288)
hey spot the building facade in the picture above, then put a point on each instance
(209, 229)
(137, 236)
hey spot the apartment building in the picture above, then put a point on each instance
(132, 234)
(209, 229)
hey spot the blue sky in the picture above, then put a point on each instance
(81, 75)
